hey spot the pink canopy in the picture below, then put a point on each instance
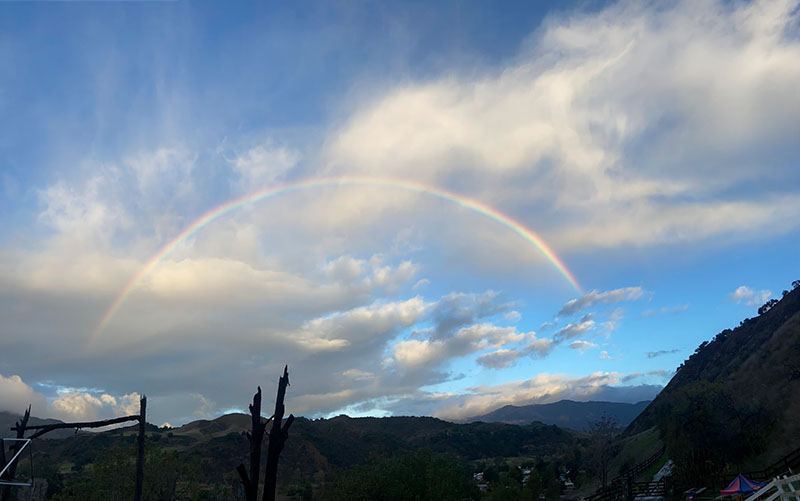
(742, 485)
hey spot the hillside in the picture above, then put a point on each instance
(736, 396)
(565, 413)
(9, 420)
(315, 447)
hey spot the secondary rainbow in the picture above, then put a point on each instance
(237, 203)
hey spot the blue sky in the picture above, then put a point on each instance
(653, 147)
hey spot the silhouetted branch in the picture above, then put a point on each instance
(256, 436)
(47, 428)
(277, 438)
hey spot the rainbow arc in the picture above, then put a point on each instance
(318, 183)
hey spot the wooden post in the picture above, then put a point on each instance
(277, 438)
(137, 492)
(12, 470)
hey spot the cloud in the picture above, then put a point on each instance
(68, 404)
(582, 346)
(654, 354)
(593, 298)
(640, 153)
(579, 135)
(547, 326)
(665, 310)
(376, 322)
(543, 388)
(414, 353)
(573, 330)
(16, 395)
(749, 296)
(637, 375)
(605, 356)
(499, 359)
(263, 165)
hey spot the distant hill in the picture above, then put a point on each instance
(9, 420)
(565, 413)
(316, 447)
(736, 396)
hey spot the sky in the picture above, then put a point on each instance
(423, 208)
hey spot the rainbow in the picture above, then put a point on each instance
(237, 203)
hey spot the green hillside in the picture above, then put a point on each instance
(733, 404)
(315, 450)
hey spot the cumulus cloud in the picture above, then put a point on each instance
(68, 404)
(593, 298)
(744, 294)
(414, 353)
(16, 395)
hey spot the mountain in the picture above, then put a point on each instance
(315, 447)
(733, 404)
(8, 420)
(565, 413)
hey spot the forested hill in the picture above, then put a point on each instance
(565, 413)
(737, 394)
(316, 447)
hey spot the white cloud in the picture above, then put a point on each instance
(749, 296)
(83, 406)
(542, 388)
(641, 116)
(593, 298)
(16, 395)
(582, 346)
(264, 165)
(573, 330)
(67, 405)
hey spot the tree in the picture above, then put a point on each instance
(168, 477)
(603, 446)
(533, 487)
(767, 306)
(417, 475)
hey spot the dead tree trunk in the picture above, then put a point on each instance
(277, 438)
(137, 492)
(12, 470)
(256, 436)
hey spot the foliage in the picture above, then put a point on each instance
(603, 446)
(768, 305)
(419, 475)
(111, 476)
(708, 431)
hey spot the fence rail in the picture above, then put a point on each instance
(622, 486)
(783, 489)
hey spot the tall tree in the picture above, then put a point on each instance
(603, 445)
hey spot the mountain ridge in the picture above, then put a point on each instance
(565, 413)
